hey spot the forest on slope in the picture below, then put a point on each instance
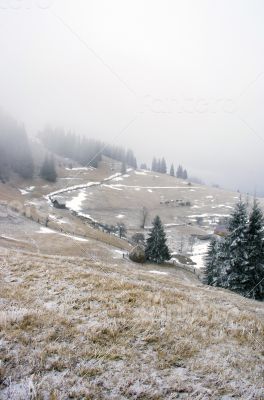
(15, 152)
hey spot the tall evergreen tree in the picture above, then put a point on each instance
(163, 166)
(159, 166)
(216, 263)
(236, 259)
(254, 271)
(123, 168)
(157, 250)
(179, 172)
(172, 171)
(210, 270)
(184, 174)
(154, 165)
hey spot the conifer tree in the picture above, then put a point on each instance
(163, 166)
(172, 172)
(157, 250)
(159, 166)
(154, 165)
(179, 172)
(210, 271)
(144, 166)
(123, 168)
(236, 259)
(184, 174)
(254, 272)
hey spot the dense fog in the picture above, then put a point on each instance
(176, 79)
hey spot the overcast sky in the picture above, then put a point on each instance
(178, 78)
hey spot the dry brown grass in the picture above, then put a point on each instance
(71, 330)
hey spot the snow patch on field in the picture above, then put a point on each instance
(120, 216)
(113, 176)
(208, 215)
(199, 254)
(75, 204)
(23, 192)
(158, 272)
(57, 220)
(8, 238)
(77, 238)
(140, 173)
(71, 188)
(118, 254)
(147, 187)
(80, 169)
(26, 190)
(117, 179)
(46, 230)
(114, 187)
(87, 216)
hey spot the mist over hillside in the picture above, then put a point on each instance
(131, 200)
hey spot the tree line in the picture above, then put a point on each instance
(87, 152)
(236, 262)
(15, 152)
(160, 166)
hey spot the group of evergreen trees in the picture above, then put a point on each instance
(180, 173)
(236, 262)
(83, 150)
(159, 165)
(15, 152)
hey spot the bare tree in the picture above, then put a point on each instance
(138, 238)
(144, 216)
(122, 230)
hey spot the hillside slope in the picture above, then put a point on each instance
(74, 328)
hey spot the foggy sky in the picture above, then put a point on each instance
(180, 79)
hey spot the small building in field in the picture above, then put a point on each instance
(58, 204)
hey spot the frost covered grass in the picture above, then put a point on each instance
(74, 328)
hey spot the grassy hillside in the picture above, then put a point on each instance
(74, 328)
(80, 321)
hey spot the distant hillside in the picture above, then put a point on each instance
(83, 150)
(15, 153)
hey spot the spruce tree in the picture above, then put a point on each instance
(157, 250)
(154, 165)
(254, 272)
(179, 172)
(172, 172)
(163, 166)
(123, 168)
(184, 174)
(236, 260)
(159, 166)
(210, 270)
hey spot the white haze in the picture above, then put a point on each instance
(180, 79)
